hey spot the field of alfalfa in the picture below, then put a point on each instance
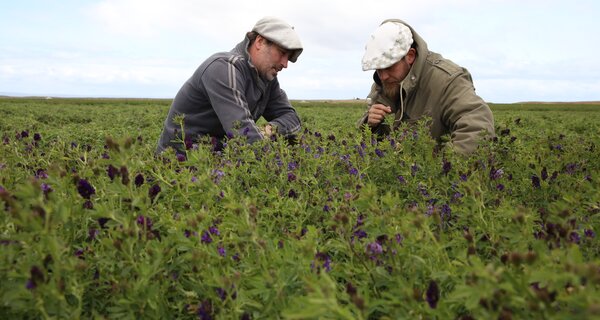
(337, 225)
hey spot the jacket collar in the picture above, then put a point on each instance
(241, 49)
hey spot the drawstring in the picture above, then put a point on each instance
(398, 119)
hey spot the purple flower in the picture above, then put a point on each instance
(457, 195)
(217, 175)
(153, 191)
(590, 233)
(544, 173)
(36, 277)
(446, 166)
(353, 171)
(399, 238)
(374, 248)
(206, 237)
(221, 293)
(88, 204)
(204, 310)
(41, 174)
(535, 181)
(181, 157)
(413, 169)
(221, 251)
(326, 208)
(292, 165)
(291, 177)
(214, 230)
(379, 153)
(112, 172)
(446, 211)
(102, 222)
(574, 237)
(433, 294)
(139, 180)
(500, 187)
(570, 168)
(324, 258)
(188, 143)
(401, 179)
(361, 151)
(496, 174)
(423, 190)
(360, 234)
(124, 175)
(85, 189)
(46, 188)
(292, 194)
(93, 233)
(360, 220)
(144, 222)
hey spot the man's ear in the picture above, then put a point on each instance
(259, 42)
(411, 56)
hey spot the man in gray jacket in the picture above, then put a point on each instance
(230, 91)
(412, 82)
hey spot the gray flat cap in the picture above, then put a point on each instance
(281, 33)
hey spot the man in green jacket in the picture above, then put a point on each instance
(412, 82)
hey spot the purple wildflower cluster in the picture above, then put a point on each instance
(147, 228)
(36, 278)
(86, 190)
(321, 261)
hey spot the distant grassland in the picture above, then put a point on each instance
(95, 118)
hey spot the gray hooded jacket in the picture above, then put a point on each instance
(226, 96)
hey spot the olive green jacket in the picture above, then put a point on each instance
(440, 89)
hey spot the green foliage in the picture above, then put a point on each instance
(339, 224)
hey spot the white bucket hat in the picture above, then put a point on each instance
(281, 33)
(388, 44)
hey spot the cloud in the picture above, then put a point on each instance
(513, 49)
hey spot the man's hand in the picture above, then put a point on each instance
(267, 131)
(377, 113)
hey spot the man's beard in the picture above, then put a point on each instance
(391, 90)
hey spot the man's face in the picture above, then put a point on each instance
(392, 76)
(270, 59)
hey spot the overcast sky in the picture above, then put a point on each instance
(515, 50)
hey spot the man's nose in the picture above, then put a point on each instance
(284, 61)
(383, 75)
